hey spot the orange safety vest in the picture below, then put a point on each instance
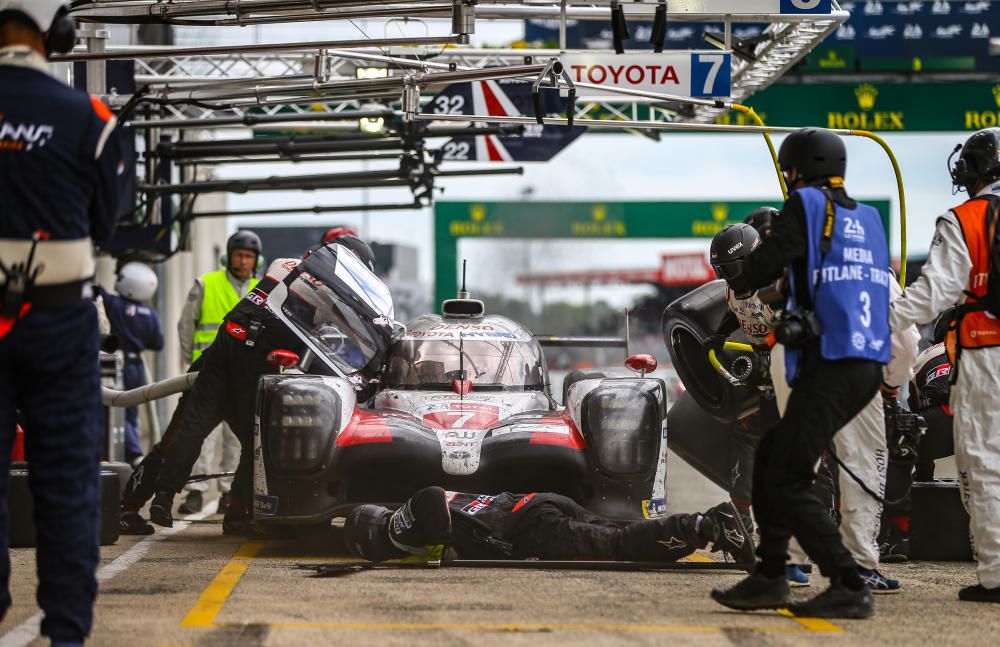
(978, 329)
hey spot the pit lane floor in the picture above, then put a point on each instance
(192, 586)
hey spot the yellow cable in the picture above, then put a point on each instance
(748, 111)
(902, 200)
(732, 345)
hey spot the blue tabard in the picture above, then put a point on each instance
(849, 284)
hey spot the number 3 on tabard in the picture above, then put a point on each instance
(866, 309)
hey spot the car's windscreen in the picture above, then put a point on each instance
(500, 365)
(339, 308)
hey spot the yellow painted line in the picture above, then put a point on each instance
(524, 627)
(698, 557)
(214, 597)
(818, 625)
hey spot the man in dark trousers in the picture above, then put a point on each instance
(540, 525)
(59, 163)
(835, 330)
(137, 327)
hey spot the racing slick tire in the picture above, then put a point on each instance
(688, 323)
(700, 440)
(20, 507)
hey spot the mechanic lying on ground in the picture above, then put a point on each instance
(541, 525)
(226, 389)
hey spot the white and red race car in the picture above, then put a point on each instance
(462, 402)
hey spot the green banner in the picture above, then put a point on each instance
(580, 220)
(912, 107)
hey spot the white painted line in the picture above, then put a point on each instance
(30, 629)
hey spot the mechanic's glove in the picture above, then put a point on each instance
(715, 342)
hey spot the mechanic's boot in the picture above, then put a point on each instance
(756, 591)
(132, 523)
(729, 534)
(894, 545)
(879, 583)
(837, 601)
(160, 510)
(423, 525)
(979, 593)
(192, 503)
(238, 522)
(797, 577)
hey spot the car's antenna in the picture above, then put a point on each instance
(626, 334)
(461, 353)
(462, 292)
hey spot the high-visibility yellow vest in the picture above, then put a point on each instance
(219, 298)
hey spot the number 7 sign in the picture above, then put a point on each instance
(710, 74)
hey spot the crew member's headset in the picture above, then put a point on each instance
(61, 36)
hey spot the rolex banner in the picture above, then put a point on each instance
(881, 107)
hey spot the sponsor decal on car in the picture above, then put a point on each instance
(653, 508)
(265, 505)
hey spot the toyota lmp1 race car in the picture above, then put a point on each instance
(462, 402)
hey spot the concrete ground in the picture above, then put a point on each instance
(192, 586)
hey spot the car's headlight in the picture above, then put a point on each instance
(621, 425)
(303, 417)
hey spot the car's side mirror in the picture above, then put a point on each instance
(282, 359)
(641, 364)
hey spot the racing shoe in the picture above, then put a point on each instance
(797, 577)
(879, 583)
(132, 523)
(192, 503)
(894, 545)
(837, 601)
(730, 535)
(422, 525)
(160, 510)
(756, 591)
(979, 593)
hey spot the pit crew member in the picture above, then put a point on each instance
(957, 272)
(930, 389)
(208, 302)
(540, 525)
(60, 158)
(836, 347)
(137, 327)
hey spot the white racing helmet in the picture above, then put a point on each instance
(136, 281)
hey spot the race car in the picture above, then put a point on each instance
(462, 402)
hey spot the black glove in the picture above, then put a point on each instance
(715, 342)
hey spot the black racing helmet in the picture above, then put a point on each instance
(815, 153)
(360, 248)
(943, 324)
(729, 248)
(760, 219)
(366, 533)
(245, 239)
(979, 160)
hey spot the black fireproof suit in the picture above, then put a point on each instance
(929, 393)
(553, 527)
(826, 396)
(225, 390)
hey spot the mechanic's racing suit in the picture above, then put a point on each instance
(137, 327)
(861, 446)
(930, 390)
(951, 269)
(60, 158)
(225, 389)
(553, 527)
